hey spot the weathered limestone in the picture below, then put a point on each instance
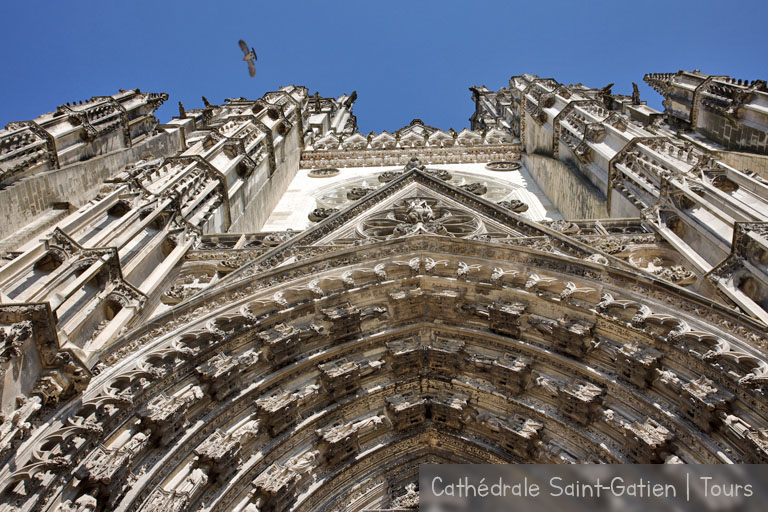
(607, 151)
(727, 111)
(158, 352)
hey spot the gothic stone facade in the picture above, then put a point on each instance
(255, 307)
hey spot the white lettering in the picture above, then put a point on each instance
(433, 486)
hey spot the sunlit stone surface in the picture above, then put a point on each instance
(255, 307)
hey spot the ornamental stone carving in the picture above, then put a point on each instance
(340, 442)
(515, 205)
(107, 468)
(319, 214)
(220, 451)
(651, 442)
(477, 188)
(160, 353)
(416, 216)
(451, 410)
(358, 192)
(13, 339)
(580, 402)
(521, 436)
(85, 503)
(704, 402)
(278, 411)
(340, 377)
(280, 343)
(503, 166)
(165, 414)
(406, 412)
(505, 318)
(637, 364)
(178, 499)
(570, 336)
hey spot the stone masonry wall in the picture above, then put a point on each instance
(736, 137)
(538, 139)
(571, 193)
(263, 194)
(745, 161)
(24, 201)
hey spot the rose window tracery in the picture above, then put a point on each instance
(419, 215)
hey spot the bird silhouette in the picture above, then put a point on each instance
(250, 57)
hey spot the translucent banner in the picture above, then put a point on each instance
(592, 487)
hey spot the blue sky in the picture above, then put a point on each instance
(406, 59)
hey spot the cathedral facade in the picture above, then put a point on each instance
(256, 307)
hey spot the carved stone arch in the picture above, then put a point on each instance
(257, 107)
(531, 88)
(383, 140)
(354, 141)
(614, 175)
(120, 208)
(469, 138)
(664, 263)
(158, 364)
(442, 139)
(113, 304)
(292, 361)
(282, 128)
(208, 143)
(725, 184)
(412, 139)
(42, 134)
(52, 259)
(595, 132)
(82, 264)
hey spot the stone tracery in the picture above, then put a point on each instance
(579, 404)
(417, 215)
(176, 363)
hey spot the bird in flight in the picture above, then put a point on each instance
(250, 57)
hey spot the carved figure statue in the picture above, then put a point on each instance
(419, 211)
(85, 503)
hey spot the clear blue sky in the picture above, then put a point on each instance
(406, 59)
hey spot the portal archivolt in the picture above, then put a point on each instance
(324, 383)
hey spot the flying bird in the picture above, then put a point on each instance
(250, 57)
